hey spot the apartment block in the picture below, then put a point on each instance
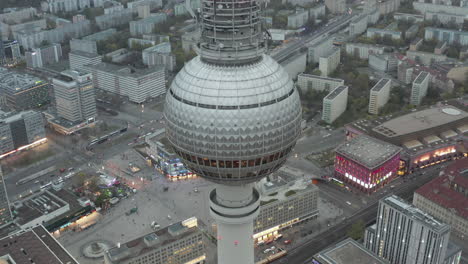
(425, 58)
(329, 62)
(85, 45)
(136, 84)
(362, 51)
(448, 35)
(377, 32)
(151, 3)
(445, 18)
(334, 104)
(57, 6)
(146, 25)
(336, 6)
(379, 95)
(307, 82)
(358, 25)
(39, 57)
(114, 19)
(80, 59)
(298, 18)
(159, 55)
(319, 49)
(383, 62)
(419, 88)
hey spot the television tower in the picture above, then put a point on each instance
(233, 116)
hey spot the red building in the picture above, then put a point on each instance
(366, 163)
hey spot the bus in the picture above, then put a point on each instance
(337, 182)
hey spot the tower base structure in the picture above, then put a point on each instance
(234, 209)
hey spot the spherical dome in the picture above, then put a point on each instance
(233, 124)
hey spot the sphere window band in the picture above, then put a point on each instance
(231, 107)
(229, 164)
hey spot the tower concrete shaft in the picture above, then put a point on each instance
(234, 208)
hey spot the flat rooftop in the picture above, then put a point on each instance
(421, 76)
(414, 212)
(35, 245)
(36, 206)
(420, 120)
(380, 84)
(125, 70)
(148, 242)
(85, 54)
(320, 77)
(368, 151)
(348, 251)
(336, 92)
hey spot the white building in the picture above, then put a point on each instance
(112, 6)
(298, 18)
(362, 51)
(317, 11)
(379, 95)
(136, 84)
(329, 62)
(307, 82)
(114, 19)
(152, 3)
(445, 18)
(379, 32)
(147, 25)
(334, 104)
(419, 89)
(39, 57)
(450, 9)
(449, 35)
(383, 62)
(56, 6)
(358, 25)
(319, 49)
(159, 55)
(426, 58)
(336, 6)
(88, 46)
(79, 59)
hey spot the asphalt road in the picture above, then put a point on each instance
(305, 251)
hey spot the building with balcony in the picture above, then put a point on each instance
(334, 104)
(379, 95)
(419, 88)
(329, 62)
(307, 82)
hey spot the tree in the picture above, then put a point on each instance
(356, 231)
(317, 72)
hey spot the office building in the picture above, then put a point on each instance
(362, 51)
(89, 46)
(23, 91)
(413, 18)
(57, 6)
(298, 18)
(448, 19)
(445, 197)
(347, 251)
(20, 131)
(32, 39)
(35, 245)
(405, 234)
(307, 82)
(367, 163)
(5, 212)
(178, 243)
(101, 35)
(152, 4)
(377, 32)
(147, 25)
(334, 104)
(383, 62)
(329, 62)
(115, 19)
(75, 101)
(319, 49)
(160, 55)
(80, 59)
(419, 88)
(136, 84)
(449, 35)
(379, 95)
(42, 56)
(285, 201)
(336, 6)
(425, 58)
(358, 25)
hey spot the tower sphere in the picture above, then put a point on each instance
(233, 124)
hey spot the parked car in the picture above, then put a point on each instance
(286, 242)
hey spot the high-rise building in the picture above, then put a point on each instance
(366, 162)
(225, 126)
(419, 89)
(347, 251)
(319, 49)
(315, 82)
(179, 243)
(159, 55)
(147, 25)
(39, 57)
(80, 60)
(75, 101)
(136, 84)
(5, 212)
(406, 235)
(23, 91)
(334, 104)
(379, 95)
(20, 131)
(329, 62)
(336, 6)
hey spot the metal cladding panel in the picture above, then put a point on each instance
(233, 124)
